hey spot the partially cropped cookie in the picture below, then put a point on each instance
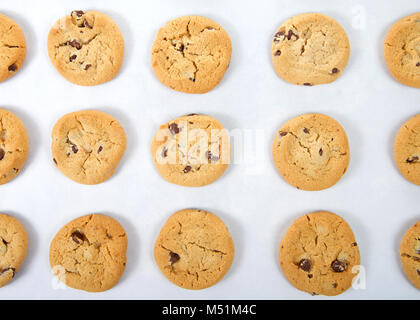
(310, 49)
(87, 146)
(89, 253)
(410, 254)
(12, 47)
(13, 247)
(407, 150)
(194, 249)
(192, 150)
(191, 54)
(402, 53)
(14, 146)
(311, 152)
(87, 48)
(318, 254)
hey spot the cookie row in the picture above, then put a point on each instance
(194, 250)
(191, 53)
(311, 151)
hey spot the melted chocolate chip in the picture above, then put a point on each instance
(192, 79)
(78, 237)
(306, 130)
(12, 68)
(73, 57)
(87, 66)
(55, 161)
(282, 134)
(334, 285)
(164, 152)
(187, 169)
(305, 265)
(307, 84)
(74, 148)
(2, 153)
(100, 149)
(173, 128)
(310, 276)
(75, 44)
(418, 64)
(278, 35)
(181, 48)
(412, 159)
(418, 272)
(334, 70)
(78, 13)
(354, 244)
(291, 34)
(338, 266)
(211, 157)
(7, 269)
(321, 152)
(86, 24)
(277, 53)
(173, 257)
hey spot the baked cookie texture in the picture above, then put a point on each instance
(311, 152)
(13, 247)
(318, 253)
(14, 146)
(86, 48)
(194, 249)
(192, 150)
(310, 49)
(407, 150)
(87, 146)
(402, 50)
(12, 47)
(410, 254)
(191, 54)
(89, 253)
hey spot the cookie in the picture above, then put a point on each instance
(14, 146)
(191, 151)
(12, 47)
(87, 146)
(318, 254)
(410, 254)
(311, 152)
(310, 49)
(86, 48)
(407, 150)
(194, 249)
(402, 53)
(89, 253)
(191, 54)
(13, 247)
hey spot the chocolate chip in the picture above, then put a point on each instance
(75, 44)
(334, 285)
(173, 128)
(173, 257)
(338, 266)
(78, 13)
(187, 169)
(211, 157)
(192, 79)
(164, 152)
(73, 57)
(305, 265)
(292, 34)
(310, 276)
(307, 84)
(282, 134)
(277, 53)
(55, 161)
(74, 148)
(306, 130)
(418, 272)
(181, 48)
(78, 237)
(2, 153)
(354, 244)
(7, 269)
(278, 35)
(12, 67)
(418, 64)
(100, 149)
(87, 66)
(86, 24)
(412, 159)
(334, 70)
(321, 152)
(192, 114)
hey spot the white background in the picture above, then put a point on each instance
(253, 200)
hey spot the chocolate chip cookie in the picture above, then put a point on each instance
(318, 253)
(192, 150)
(311, 152)
(86, 48)
(14, 146)
(402, 50)
(191, 54)
(194, 249)
(410, 254)
(13, 247)
(12, 47)
(407, 150)
(87, 146)
(89, 253)
(310, 49)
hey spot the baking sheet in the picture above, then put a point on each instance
(252, 199)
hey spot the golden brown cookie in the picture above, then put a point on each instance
(14, 146)
(310, 49)
(410, 254)
(12, 47)
(402, 50)
(191, 54)
(89, 253)
(318, 253)
(311, 152)
(86, 48)
(87, 146)
(407, 150)
(194, 249)
(192, 150)
(13, 247)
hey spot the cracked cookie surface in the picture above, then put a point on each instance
(402, 50)
(86, 48)
(311, 152)
(14, 146)
(13, 247)
(192, 150)
(194, 249)
(89, 253)
(87, 146)
(310, 49)
(318, 253)
(191, 54)
(12, 47)
(410, 254)
(407, 150)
